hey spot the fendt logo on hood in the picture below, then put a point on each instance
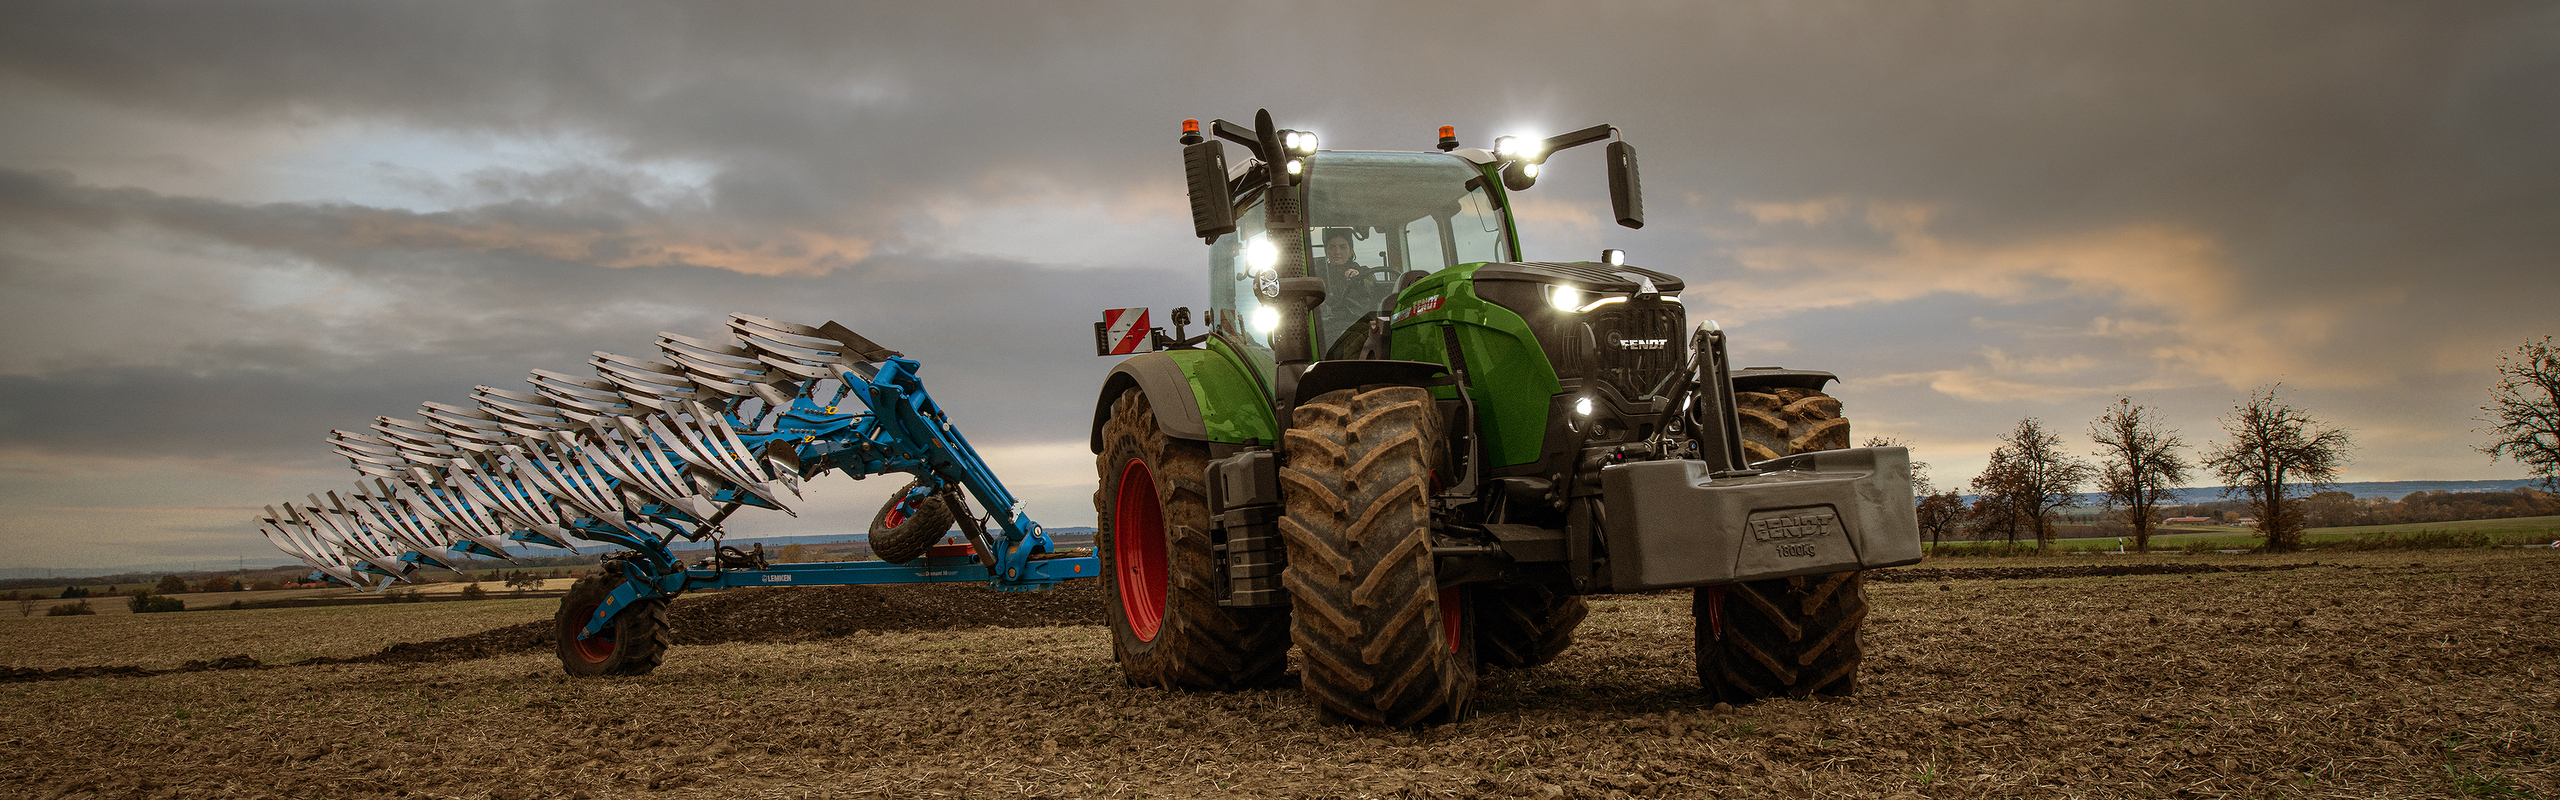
(1643, 344)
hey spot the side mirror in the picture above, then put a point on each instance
(1213, 210)
(1626, 194)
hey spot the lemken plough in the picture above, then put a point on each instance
(648, 452)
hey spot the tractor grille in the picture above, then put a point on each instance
(1639, 343)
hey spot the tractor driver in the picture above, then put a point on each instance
(1364, 286)
(1356, 290)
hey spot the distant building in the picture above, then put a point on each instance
(2187, 521)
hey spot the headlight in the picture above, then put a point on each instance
(1303, 142)
(1518, 148)
(1567, 298)
(1582, 405)
(1564, 298)
(1261, 253)
(1265, 320)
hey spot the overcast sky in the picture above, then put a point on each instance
(226, 228)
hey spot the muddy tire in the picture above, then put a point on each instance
(1791, 637)
(1152, 534)
(633, 644)
(1380, 642)
(1788, 421)
(903, 528)
(1518, 627)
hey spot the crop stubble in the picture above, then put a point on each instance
(2383, 674)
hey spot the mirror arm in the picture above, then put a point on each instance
(1240, 135)
(1579, 138)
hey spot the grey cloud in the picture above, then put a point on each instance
(459, 316)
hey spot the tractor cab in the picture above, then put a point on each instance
(1375, 221)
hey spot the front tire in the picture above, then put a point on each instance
(1167, 629)
(1791, 637)
(1518, 627)
(634, 643)
(1382, 643)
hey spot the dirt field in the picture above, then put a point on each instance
(2364, 675)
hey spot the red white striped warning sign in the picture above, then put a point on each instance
(1123, 331)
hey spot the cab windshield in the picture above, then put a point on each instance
(1372, 217)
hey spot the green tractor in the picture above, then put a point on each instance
(1410, 453)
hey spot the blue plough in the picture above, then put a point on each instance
(656, 451)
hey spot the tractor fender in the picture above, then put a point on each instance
(1761, 379)
(1326, 376)
(1199, 395)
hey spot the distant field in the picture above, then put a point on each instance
(105, 603)
(2518, 524)
(271, 635)
(2536, 530)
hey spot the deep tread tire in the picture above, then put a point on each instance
(1790, 637)
(1197, 643)
(1518, 627)
(918, 525)
(1789, 421)
(1380, 642)
(634, 644)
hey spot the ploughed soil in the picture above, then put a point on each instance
(2345, 675)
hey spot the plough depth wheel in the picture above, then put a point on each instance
(906, 526)
(633, 644)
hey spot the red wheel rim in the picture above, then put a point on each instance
(1137, 550)
(1451, 615)
(593, 649)
(897, 513)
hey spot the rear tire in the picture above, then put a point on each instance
(904, 528)
(1518, 627)
(1792, 637)
(1152, 534)
(1381, 642)
(634, 643)
(1787, 421)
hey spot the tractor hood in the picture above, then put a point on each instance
(1588, 276)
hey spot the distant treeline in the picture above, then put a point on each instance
(2341, 509)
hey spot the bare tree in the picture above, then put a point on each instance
(2276, 450)
(1939, 514)
(2029, 477)
(2138, 464)
(1993, 514)
(2528, 428)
